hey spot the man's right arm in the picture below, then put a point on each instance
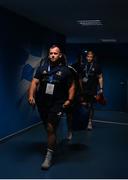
(32, 91)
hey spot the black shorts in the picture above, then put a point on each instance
(51, 114)
(89, 98)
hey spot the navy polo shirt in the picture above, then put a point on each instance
(60, 76)
(92, 71)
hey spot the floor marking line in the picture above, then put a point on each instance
(111, 122)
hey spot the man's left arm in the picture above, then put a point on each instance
(71, 94)
(100, 81)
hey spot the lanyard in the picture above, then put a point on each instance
(87, 72)
(49, 68)
(50, 77)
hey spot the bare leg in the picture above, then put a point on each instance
(51, 146)
(90, 118)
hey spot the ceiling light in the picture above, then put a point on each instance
(109, 40)
(92, 22)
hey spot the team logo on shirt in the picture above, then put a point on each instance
(44, 72)
(59, 73)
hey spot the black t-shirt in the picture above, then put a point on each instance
(55, 78)
(76, 66)
(89, 75)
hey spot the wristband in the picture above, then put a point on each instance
(70, 100)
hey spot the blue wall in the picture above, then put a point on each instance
(114, 62)
(22, 45)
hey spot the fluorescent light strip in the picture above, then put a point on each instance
(93, 22)
(108, 40)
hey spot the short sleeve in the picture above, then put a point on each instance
(71, 77)
(99, 70)
(37, 74)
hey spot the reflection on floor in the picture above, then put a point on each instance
(100, 153)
